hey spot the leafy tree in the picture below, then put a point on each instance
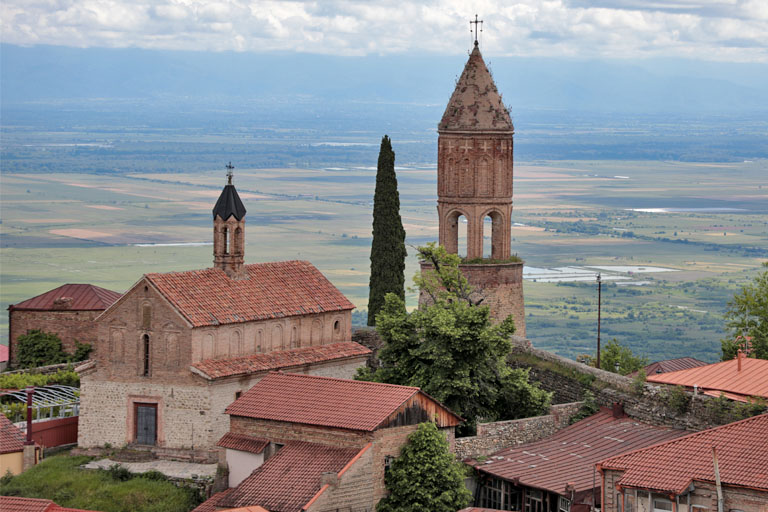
(614, 352)
(38, 348)
(388, 246)
(450, 349)
(747, 320)
(425, 477)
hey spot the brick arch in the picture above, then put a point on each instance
(236, 343)
(451, 222)
(316, 334)
(209, 347)
(500, 226)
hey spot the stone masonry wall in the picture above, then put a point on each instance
(68, 325)
(281, 431)
(495, 436)
(354, 492)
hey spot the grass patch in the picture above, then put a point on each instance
(59, 479)
(587, 380)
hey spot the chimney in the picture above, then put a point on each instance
(329, 478)
(739, 355)
(618, 410)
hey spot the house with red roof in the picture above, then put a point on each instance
(178, 347)
(13, 448)
(741, 378)
(557, 473)
(19, 504)
(68, 311)
(322, 443)
(670, 365)
(720, 469)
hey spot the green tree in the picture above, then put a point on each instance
(747, 319)
(450, 349)
(614, 352)
(38, 348)
(425, 477)
(388, 246)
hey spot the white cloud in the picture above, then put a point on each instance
(719, 29)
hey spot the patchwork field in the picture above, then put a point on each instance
(707, 224)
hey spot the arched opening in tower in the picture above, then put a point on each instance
(493, 244)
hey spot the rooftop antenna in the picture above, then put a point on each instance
(475, 29)
(230, 174)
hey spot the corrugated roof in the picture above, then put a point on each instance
(77, 297)
(751, 381)
(272, 290)
(475, 104)
(742, 455)
(672, 365)
(290, 478)
(313, 400)
(278, 360)
(11, 438)
(570, 454)
(243, 443)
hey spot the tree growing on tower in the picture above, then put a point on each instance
(388, 245)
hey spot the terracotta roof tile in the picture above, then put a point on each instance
(278, 360)
(312, 400)
(11, 438)
(212, 503)
(570, 454)
(751, 380)
(243, 443)
(742, 454)
(19, 504)
(272, 290)
(290, 478)
(83, 297)
(475, 104)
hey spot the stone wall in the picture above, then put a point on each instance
(68, 325)
(281, 431)
(495, 436)
(354, 490)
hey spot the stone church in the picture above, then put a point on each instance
(474, 186)
(177, 348)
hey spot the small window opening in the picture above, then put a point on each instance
(146, 355)
(336, 325)
(388, 460)
(238, 394)
(226, 241)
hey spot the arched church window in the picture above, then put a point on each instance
(238, 240)
(145, 339)
(226, 240)
(146, 316)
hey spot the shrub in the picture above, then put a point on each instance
(677, 399)
(38, 348)
(587, 409)
(638, 383)
(119, 472)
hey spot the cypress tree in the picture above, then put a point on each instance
(388, 245)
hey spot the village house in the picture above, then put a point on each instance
(741, 378)
(15, 455)
(177, 348)
(68, 311)
(311, 443)
(721, 469)
(670, 365)
(557, 474)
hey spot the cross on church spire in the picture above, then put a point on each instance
(230, 174)
(476, 23)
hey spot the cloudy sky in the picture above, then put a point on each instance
(731, 30)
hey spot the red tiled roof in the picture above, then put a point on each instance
(212, 503)
(671, 365)
(752, 380)
(312, 400)
(243, 443)
(570, 454)
(742, 456)
(290, 478)
(84, 297)
(11, 438)
(272, 290)
(278, 360)
(19, 504)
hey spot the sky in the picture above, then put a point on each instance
(714, 30)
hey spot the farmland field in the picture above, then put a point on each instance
(707, 224)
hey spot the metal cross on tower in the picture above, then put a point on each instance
(475, 23)
(230, 168)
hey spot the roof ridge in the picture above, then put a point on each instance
(361, 382)
(708, 431)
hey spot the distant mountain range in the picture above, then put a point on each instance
(55, 74)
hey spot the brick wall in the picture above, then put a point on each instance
(66, 324)
(281, 431)
(354, 492)
(495, 436)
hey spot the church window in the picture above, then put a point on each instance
(294, 337)
(238, 394)
(146, 316)
(145, 339)
(260, 340)
(238, 240)
(336, 326)
(226, 240)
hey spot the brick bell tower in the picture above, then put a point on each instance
(474, 181)
(229, 231)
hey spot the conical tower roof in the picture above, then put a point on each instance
(229, 203)
(475, 104)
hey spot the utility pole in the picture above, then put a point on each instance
(599, 307)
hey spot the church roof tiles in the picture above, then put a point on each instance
(271, 290)
(475, 104)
